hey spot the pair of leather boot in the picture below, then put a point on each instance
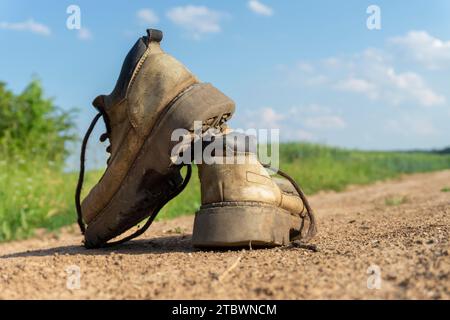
(154, 96)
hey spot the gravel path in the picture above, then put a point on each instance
(386, 240)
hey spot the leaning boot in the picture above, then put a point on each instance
(154, 95)
(242, 205)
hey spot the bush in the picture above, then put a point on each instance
(32, 126)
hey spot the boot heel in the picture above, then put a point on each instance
(236, 224)
(202, 102)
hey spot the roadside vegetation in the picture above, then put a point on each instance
(34, 133)
(36, 193)
(319, 167)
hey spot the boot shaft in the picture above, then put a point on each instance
(149, 80)
(236, 175)
(242, 205)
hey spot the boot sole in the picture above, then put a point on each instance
(153, 167)
(244, 224)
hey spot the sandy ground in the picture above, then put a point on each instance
(387, 240)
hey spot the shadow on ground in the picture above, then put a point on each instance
(179, 243)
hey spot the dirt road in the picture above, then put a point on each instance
(399, 230)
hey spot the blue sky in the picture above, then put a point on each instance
(310, 68)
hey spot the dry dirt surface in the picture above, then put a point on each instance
(386, 240)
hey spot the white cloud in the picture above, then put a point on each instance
(370, 73)
(317, 80)
(317, 117)
(308, 122)
(357, 85)
(84, 34)
(423, 48)
(310, 109)
(264, 118)
(147, 17)
(332, 62)
(29, 25)
(411, 85)
(325, 122)
(408, 126)
(305, 67)
(270, 118)
(196, 19)
(260, 8)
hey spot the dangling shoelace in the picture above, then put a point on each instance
(155, 212)
(103, 137)
(312, 229)
(81, 174)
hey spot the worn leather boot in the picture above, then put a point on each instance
(242, 205)
(154, 95)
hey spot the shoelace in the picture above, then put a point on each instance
(80, 182)
(81, 174)
(312, 229)
(149, 222)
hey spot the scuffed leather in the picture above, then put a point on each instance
(246, 182)
(160, 79)
(156, 79)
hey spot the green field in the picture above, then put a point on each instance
(38, 195)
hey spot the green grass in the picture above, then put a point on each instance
(445, 189)
(36, 194)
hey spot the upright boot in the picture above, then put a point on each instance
(154, 95)
(242, 205)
